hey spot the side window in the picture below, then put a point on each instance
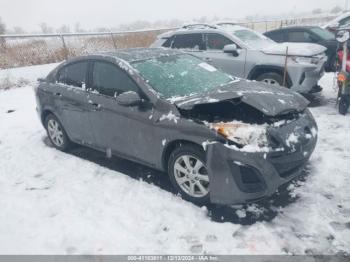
(168, 42)
(73, 74)
(277, 36)
(217, 41)
(109, 80)
(189, 41)
(299, 36)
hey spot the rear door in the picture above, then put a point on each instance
(193, 43)
(227, 62)
(126, 130)
(72, 101)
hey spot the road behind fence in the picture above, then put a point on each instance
(25, 50)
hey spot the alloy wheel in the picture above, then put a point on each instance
(55, 132)
(191, 175)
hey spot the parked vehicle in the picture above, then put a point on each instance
(344, 72)
(340, 21)
(248, 54)
(340, 54)
(220, 139)
(309, 34)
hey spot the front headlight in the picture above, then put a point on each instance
(305, 60)
(242, 133)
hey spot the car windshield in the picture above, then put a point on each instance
(324, 34)
(181, 75)
(253, 39)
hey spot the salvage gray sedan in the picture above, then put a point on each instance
(221, 139)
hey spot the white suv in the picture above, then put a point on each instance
(248, 54)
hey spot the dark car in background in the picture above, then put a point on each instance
(308, 34)
(341, 20)
(220, 139)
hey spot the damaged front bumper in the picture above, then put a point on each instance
(238, 177)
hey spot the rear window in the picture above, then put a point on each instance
(73, 74)
(189, 41)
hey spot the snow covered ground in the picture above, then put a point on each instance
(82, 203)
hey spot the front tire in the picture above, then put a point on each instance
(271, 79)
(188, 173)
(56, 133)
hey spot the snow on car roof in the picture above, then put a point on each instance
(135, 54)
(231, 27)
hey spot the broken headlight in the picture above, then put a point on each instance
(242, 133)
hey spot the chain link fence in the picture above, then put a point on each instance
(25, 50)
(267, 25)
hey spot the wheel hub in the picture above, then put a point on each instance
(55, 132)
(191, 175)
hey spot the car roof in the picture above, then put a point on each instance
(134, 54)
(215, 28)
(287, 28)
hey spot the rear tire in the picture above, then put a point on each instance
(344, 102)
(188, 173)
(56, 133)
(271, 78)
(332, 65)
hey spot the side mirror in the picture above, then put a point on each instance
(231, 49)
(130, 98)
(342, 36)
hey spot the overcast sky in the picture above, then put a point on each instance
(28, 14)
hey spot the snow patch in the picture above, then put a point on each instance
(170, 116)
(251, 136)
(163, 142)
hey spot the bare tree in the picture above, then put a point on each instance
(63, 29)
(18, 30)
(2, 31)
(45, 29)
(77, 28)
(336, 9)
(2, 27)
(317, 11)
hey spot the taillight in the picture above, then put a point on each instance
(341, 77)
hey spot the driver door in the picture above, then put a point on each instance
(125, 130)
(225, 61)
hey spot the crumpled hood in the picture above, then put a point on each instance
(294, 49)
(270, 100)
